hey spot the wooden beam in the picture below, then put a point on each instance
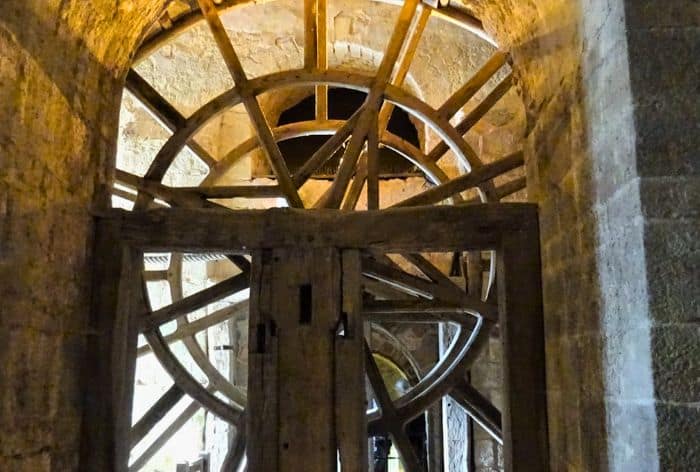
(117, 295)
(479, 408)
(373, 167)
(235, 191)
(165, 436)
(194, 327)
(334, 197)
(164, 112)
(154, 414)
(474, 116)
(351, 403)
(404, 63)
(427, 289)
(257, 118)
(391, 421)
(501, 191)
(326, 151)
(310, 34)
(471, 180)
(522, 336)
(155, 319)
(443, 228)
(458, 99)
(322, 58)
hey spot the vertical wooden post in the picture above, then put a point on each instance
(351, 402)
(303, 349)
(262, 411)
(522, 337)
(117, 301)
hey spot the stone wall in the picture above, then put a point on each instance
(60, 68)
(612, 136)
(663, 46)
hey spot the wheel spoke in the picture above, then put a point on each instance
(194, 327)
(405, 61)
(479, 408)
(257, 118)
(373, 167)
(326, 151)
(390, 420)
(156, 413)
(410, 311)
(196, 301)
(453, 104)
(165, 436)
(471, 180)
(336, 193)
(474, 116)
(164, 112)
(426, 289)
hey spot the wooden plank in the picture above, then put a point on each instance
(473, 179)
(458, 99)
(443, 228)
(522, 337)
(257, 118)
(349, 377)
(306, 302)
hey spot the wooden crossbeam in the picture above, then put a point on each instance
(443, 228)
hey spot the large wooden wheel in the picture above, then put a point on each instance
(405, 288)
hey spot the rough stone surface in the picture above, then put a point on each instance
(609, 88)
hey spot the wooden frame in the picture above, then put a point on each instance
(509, 229)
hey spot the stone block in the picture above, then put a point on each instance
(672, 251)
(678, 433)
(673, 13)
(670, 197)
(676, 362)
